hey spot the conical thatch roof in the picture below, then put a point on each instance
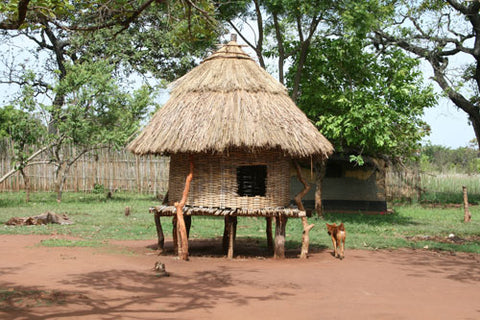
(229, 102)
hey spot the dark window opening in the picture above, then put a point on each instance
(334, 170)
(251, 181)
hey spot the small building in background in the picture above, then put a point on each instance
(346, 186)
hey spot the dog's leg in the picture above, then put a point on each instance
(334, 241)
(342, 244)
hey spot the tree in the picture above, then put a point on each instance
(85, 49)
(24, 128)
(363, 102)
(446, 35)
(324, 57)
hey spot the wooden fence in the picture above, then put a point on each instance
(105, 169)
(121, 170)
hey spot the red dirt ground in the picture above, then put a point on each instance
(118, 282)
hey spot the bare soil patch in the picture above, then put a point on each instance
(118, 282)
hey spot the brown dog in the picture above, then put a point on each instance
(338, 235)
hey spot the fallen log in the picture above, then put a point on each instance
(44, 218)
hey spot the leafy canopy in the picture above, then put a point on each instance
(362, 102)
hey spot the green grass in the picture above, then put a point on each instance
(98, 220)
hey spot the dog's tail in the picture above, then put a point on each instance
(341, 227)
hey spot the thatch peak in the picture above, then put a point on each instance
(228, 69)
(230, 50)
(229, 102)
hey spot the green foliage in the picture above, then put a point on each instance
(21, 123)
(436, 158)
(362, 102)
(165, 41)
(97, 112)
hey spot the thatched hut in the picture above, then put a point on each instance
(235, 126)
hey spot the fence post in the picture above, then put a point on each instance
(467, 216)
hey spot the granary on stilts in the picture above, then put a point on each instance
(232, 134)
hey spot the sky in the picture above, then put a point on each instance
(449, 125)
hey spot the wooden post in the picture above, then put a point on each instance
(229, 235)
(181, 227)
(188, 224)
(467, 216)
(269, 234)
(298, 201)
(280, 224)
(175, 234)
(160, 235)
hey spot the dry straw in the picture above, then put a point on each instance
(229, 102)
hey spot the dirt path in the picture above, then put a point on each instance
(118, 283)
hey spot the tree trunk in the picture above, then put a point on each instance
(321, 168)
(298, 201)
(181, 227)
(26, 182)
(60, 179)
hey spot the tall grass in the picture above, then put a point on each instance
(98, 220)
(447, 187)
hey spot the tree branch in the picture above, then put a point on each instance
(22, 9)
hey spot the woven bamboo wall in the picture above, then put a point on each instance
(214, 181)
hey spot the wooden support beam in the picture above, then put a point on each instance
(269, 234)
(229, 235)
(181, 227)
(280, 224)
(298, 200)
(160, 235)
(175, 234)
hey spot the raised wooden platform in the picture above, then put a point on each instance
(230, 215)
(166, 211)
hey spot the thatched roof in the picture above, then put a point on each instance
(229, 102)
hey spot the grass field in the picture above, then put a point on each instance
(98, 220)
(447, 188)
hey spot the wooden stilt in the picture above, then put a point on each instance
(229, 235)
(280, 224)
(188, 224)
(181, 227)
(269, 234)
(175, 234)
(160, 235)
(298, 201)
(225, 236)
